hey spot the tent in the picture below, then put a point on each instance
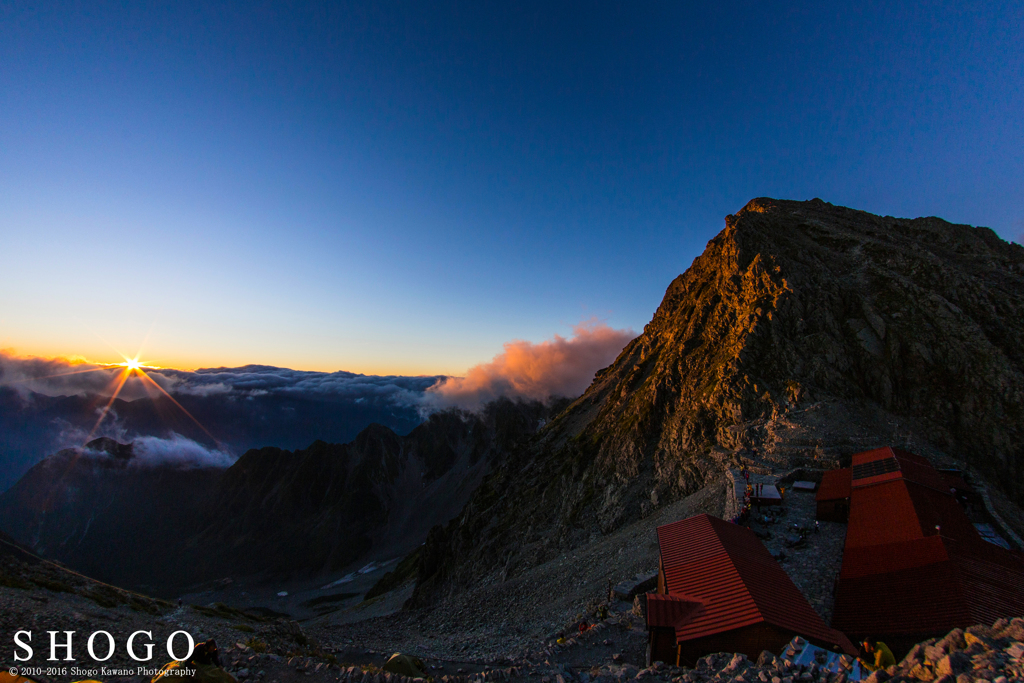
(406, 666)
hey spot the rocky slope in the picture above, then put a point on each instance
(323, 508)
(805, 331)
(277, 512)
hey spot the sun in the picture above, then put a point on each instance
(133, 367)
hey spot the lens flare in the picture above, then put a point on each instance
(133, 366)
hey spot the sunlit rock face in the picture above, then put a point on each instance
(805, 330)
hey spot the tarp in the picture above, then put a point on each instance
(799, 651)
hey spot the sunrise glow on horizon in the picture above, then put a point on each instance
(109, 359)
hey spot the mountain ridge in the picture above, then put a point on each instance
(274, 512)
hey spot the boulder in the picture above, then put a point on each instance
(630, 588)
(954, 640)
(915, 656)
(955, 663)
(738, 662)
(921, 672)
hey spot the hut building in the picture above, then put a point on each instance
(833, 496)
(720, 590)
(914, 566)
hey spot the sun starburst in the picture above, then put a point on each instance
(134, 367)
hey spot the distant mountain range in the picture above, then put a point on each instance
(162, 527)
(33, 425)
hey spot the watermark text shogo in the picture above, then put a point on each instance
(101, 646)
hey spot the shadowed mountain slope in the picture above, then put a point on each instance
(805, 330)
(33, 425)
(103, 511)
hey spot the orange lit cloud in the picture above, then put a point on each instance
(557, 367)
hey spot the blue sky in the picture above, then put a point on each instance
(402, 187)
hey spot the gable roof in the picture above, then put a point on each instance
(728, 570)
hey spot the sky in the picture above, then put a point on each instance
(406, 187)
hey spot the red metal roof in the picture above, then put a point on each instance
(670, 610)
(913, 562)
(902, 510)
(918, 470)
(882, 514)
(905, 465)
(992, 590)
(919, 600)
(881, 559)
(727, 568)
(936, 508)
(928, 599)
(865, 457)
(835, 485)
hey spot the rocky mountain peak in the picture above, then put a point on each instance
(806, 331)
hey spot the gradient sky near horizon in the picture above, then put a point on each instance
(401, 187)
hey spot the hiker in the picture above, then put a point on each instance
(782, 493)
(584, 626)
(602, 612)
(876, 655)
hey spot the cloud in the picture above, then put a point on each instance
(67, 435)
(557, 367)
(258, 380)
(62, 376)
(177, 450)
(148, 451)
